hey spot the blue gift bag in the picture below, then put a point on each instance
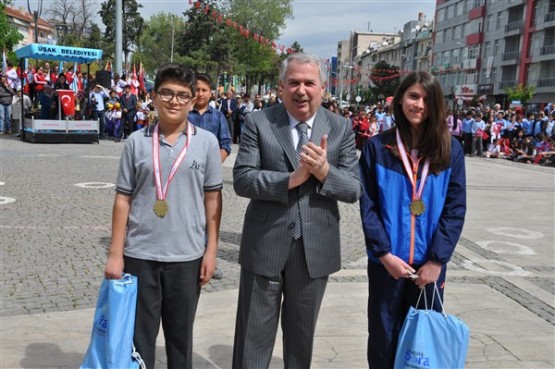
(111, 345)
(431, 340)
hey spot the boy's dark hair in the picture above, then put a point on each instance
(177, 73)
(204, 78)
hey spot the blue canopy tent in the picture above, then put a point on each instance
(59, 53)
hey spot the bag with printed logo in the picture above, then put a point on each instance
(111, 343)
(430, 339)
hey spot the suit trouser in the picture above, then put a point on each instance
(167, 291)
(258, 310)
(388, 304)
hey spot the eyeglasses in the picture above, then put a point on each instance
(168, 95)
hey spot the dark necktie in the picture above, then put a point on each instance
(302, 127)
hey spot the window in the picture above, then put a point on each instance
(440, 15)
(457, 33)
(459, 8)
(495, 47)
(489, 21)
(439, 37)
(456, 56)
(445, 58)
(445, 35)
(498, 20)
(450, 11)
(473, 51)
(487, 48)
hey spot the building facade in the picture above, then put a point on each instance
(482, 47)
(24, 22)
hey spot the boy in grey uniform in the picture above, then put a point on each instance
(168, 195)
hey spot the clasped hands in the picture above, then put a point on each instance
(313, 161)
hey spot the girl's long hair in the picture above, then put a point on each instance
(435, 142)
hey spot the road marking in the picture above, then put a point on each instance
(520, 233)
(6, 200)
(513, 249)
(514, 270)
(2, 183)
(94, 185)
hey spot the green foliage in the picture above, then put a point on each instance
(9, 36)
(133, 24)
(520, 92)
(215, 47)
(154, 47)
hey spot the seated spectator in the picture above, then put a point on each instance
(493, 149)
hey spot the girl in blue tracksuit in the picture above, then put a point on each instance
(412, 210)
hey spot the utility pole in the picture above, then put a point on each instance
(119, 38)
(36, 15)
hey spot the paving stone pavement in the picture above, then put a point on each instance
(55, 219)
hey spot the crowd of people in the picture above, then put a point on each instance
(510, 134)
(121, 108)
(483, 131)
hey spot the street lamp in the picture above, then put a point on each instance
(341, 77)
(61, 31)
(36, 16)
(173, 34)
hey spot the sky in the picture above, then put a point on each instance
(317, 25)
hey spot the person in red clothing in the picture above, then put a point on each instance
(362, 127)
(40, 81)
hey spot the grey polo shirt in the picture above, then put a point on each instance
(180, 235)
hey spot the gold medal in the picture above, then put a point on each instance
(160, 208)
(417, 207)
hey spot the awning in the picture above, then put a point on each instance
(59, 52)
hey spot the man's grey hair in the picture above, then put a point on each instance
(302, 58)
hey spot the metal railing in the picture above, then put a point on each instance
(549, 17)
(510, 55)
(505, 84)
(548, 49)
(546, 82)
(514, 26)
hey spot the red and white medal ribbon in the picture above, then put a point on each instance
(412, 171)
(162, 193)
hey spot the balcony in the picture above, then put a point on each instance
(547, 50)
(510, 56)
(549, 17)
(509, 83)
(546, 82)
(514, 26)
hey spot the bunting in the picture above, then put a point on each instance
(243, 31)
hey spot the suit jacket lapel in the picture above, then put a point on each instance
(282, 131)
(320, 127)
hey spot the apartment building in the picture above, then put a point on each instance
(482, 47)
(408, 49)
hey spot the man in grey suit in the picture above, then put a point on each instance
(290, 242)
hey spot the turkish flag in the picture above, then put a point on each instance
(67, 99)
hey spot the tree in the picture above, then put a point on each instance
(9, 36)
(75, 15)
(205, 44)
(133, 25)
(95, 40)
(263, 18)
(386, 78)
(521, 92)
(155, 44)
